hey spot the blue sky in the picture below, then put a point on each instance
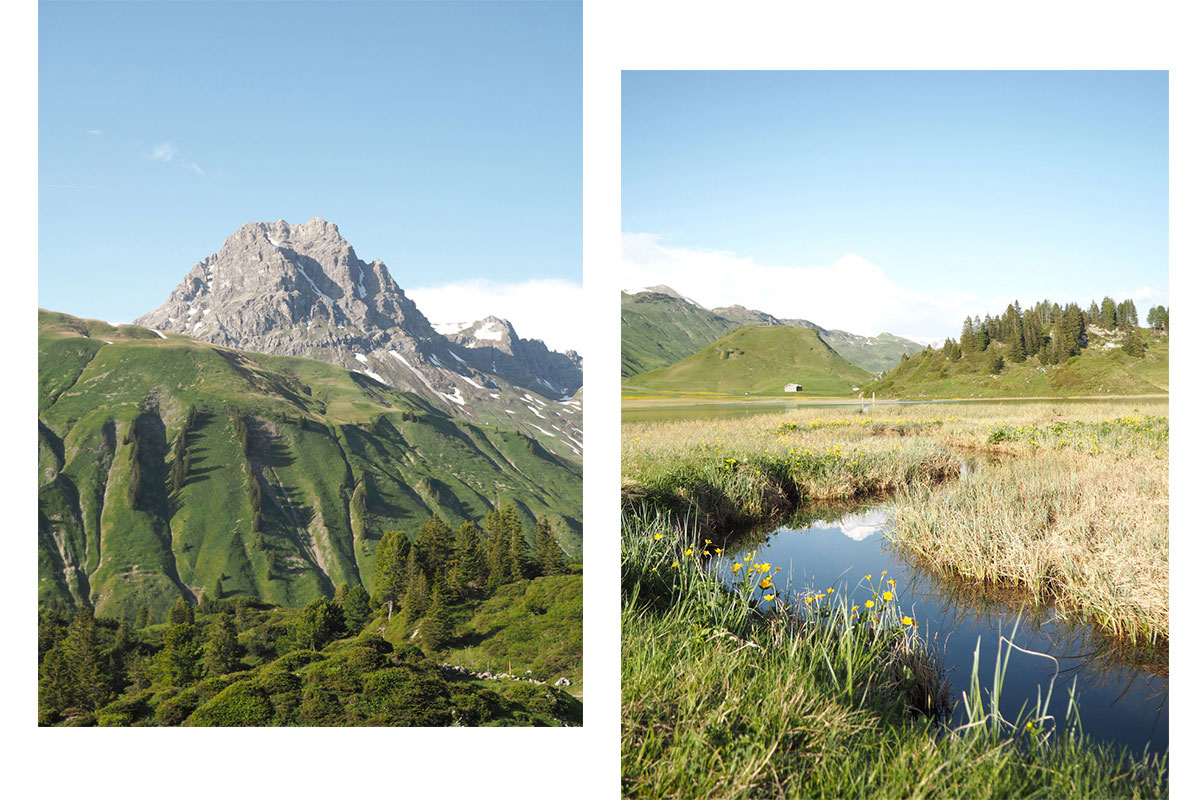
(930, 195)
(443, 138)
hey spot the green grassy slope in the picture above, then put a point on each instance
(758, 361)
(534, 625)
(1098, 370)
(657, 330)
(112, 531)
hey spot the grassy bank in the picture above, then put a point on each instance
(731, 472)
(720, 700)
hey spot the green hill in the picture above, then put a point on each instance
(658, 329)
(1101, 368)
(168, 465)
(757, 361)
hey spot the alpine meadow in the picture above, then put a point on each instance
(903, 532)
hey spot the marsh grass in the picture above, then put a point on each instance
(1083, 532)
(1074, 509)
(727, 694)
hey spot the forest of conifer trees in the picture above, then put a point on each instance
(1050, 332)
(224, 651)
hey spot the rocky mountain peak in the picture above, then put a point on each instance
(277, 277)
(301, 290)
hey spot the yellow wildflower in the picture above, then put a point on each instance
(657, 536)
(765, 583)
(869, 604)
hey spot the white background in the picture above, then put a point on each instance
(488, 763)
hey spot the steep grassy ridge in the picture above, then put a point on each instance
(756, 361)
(657, 330)
(330, 458)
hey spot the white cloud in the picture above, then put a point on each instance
(546, 309)
(95, 132)
(164, 152)
(852, 294)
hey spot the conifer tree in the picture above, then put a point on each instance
(124, 638)
(436, 544)
(222, 652)
(469, 567)
(437, 628)
(181, 612)
(356, 608)
(92, 684)
(1031, 329)
(143, 617)
(1132, 344)
(518, 557)
(497, 549)
(1108, 314)
(416, 593)
(549, 554)
(390, 569)
(967, 339)
(56, 683)
(180, 663)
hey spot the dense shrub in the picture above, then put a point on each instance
(241, 704)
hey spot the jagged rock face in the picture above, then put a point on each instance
(270, 279)
(493, 346)
(301, 290)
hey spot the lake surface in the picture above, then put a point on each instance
(665, 412)
(1122, 696)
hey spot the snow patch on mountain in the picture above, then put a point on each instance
(491, 332)
(456, 397)
(449, 328)
(418, 372)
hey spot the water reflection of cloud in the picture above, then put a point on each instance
(860, 526)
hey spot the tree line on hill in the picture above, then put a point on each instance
(86, 663)
(1050, 332)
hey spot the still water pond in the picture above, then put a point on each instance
(1122, 697)
(666, 412)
